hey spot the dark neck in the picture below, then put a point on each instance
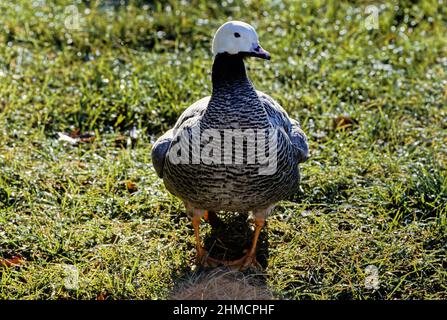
(228, 69)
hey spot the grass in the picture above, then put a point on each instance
(92, 220)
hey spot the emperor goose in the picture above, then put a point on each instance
(259, 168)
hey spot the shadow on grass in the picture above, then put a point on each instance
(227, 240)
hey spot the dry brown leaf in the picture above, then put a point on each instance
(131, 186)
(76, 136)
(12, 262)
(102, 296)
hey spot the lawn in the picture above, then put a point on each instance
(87, 86)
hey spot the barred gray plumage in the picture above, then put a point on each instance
(233, 104)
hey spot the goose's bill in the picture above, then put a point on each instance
(259, 52)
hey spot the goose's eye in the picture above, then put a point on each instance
(237, 35)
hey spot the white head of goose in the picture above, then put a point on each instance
(193, 159)
(236, 37)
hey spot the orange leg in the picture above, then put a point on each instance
(202, 255)
(200, 250)
(259, 225)
(249, 260)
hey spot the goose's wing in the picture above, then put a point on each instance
(159, 151)
(279, 118)
(299, 141)
(188, 118)
(193, 113)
